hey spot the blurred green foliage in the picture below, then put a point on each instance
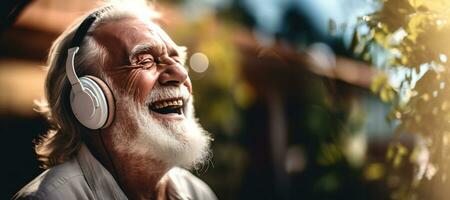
(413, 36)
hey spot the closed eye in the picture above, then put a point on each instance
(145, 61)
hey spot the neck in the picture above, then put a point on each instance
(139, 176)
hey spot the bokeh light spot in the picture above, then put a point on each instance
(199, 62)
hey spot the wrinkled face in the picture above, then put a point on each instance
(154, 112)
(141, 55)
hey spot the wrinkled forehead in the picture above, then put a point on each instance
(121, 36)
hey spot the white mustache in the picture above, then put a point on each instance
(159, 93)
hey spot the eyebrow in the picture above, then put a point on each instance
(139, 49)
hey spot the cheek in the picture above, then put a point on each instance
(135, 83)
(144, 84)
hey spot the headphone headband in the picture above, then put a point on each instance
(85, 25)
(82, 31)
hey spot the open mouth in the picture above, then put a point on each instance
(167, 106)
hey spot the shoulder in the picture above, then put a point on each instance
(184, 185)
(59, 182)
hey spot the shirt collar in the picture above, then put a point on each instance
(100, 181)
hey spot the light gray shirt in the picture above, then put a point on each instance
(83, 177)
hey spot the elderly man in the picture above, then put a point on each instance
(120, 101)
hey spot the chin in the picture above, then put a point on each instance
(172, 136)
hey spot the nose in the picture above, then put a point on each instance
(173, 73)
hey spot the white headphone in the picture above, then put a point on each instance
(91, 99)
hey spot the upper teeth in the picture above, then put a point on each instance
(162, 104)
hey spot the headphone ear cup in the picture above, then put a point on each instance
(90, 106)
(109, 100)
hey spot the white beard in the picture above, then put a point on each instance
(174, 142)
